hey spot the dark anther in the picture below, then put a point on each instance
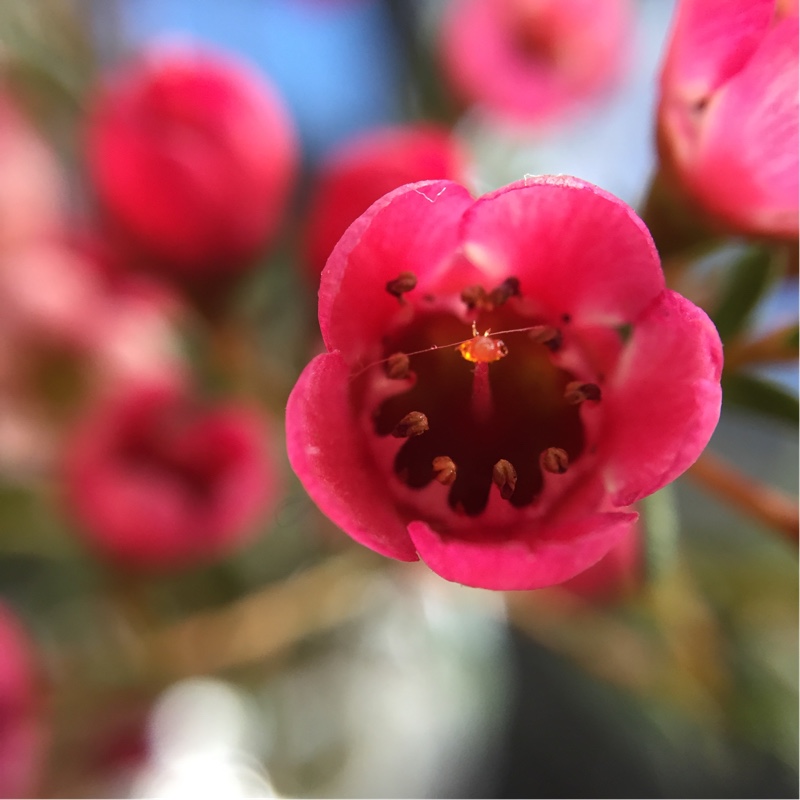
(576, 392)
(507, 289)
(474, 297)
(397, 366)
(554, 460)
(566, 319)
(505, 478)
(444, 469)
(413, 424)
(550, 337)
(403, 283)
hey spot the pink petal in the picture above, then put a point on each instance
(331, 459)
(711, 41)
(747, 164)
(663, 403)
(576, 249)
(413, 229)
(542, 558)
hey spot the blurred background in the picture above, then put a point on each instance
(287, 661)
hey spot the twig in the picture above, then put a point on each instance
(765, 503)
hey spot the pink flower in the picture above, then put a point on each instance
(512, 473)
(533, 60)
(728, 116)
(192, 155)
(31, 186)
(156, 481)
(21, 733)
(365, 169)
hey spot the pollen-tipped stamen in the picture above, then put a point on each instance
(398, 366)
(504, 477)
(547, 335)
(403, 283)
(576, 392)
(415, 423)
(444, 470)
(554, 460)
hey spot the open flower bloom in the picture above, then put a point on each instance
(728, 116)
(156, 481)
(192, 155)
(368, 167)
(502, 464)
(21, 730)
(531, 61)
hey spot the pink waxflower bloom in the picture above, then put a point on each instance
(192, 155)
(533, 61)
(368, 167)
(502, 464)
(21, 731)
(156, 481)
(728, 116)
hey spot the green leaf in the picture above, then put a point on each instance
(749, 280)
(762, 396)
(662, 528)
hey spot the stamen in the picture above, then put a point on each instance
(550, 337)
(474, 297)
(505, 291)
(403, 283)
(554, 460)
(444, 469)
(505, 478)
(397, 366)
(414, 423)
(576, 392)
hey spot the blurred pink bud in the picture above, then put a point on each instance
(192, 155)
(368, 167)
(21, 733)
(619, 573)
(31, 187)
(156, 481)
(728, 116)
(532, 61)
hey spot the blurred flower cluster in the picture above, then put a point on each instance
(247, 367)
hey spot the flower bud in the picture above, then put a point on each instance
(192, 156)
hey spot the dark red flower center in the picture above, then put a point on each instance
(469, 425)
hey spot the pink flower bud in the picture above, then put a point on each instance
(549, 370)
(21, 732)
(192, 156)
(532, 61)
(368, 167)
(155, 481)
(728, 116)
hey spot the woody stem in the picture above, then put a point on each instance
(764, 503)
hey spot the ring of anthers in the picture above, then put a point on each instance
(496, 414)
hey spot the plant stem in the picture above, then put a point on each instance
(765, 503)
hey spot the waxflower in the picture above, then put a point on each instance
(156, 480)
(192, 156)
(364, 169)
(533, 61)
(504, 377)
(21, 730)
(728, 114)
